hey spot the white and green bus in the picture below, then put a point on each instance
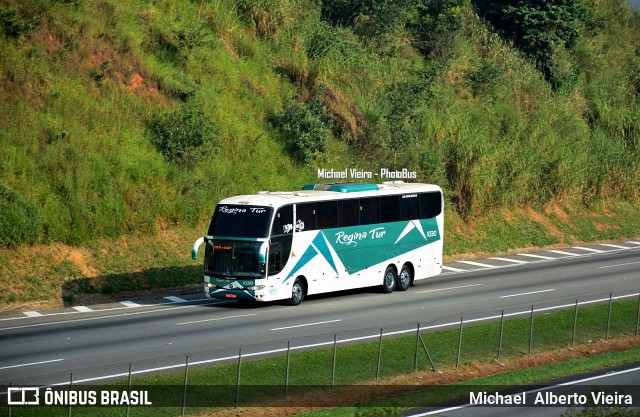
(328, 237)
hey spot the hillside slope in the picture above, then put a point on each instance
(127, 120)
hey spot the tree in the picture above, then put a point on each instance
(378, 21)
(435, 26)
(537, 27)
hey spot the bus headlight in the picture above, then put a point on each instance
(256, 287)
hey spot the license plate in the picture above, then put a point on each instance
(229, 295)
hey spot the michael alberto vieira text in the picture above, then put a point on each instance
(549, 398)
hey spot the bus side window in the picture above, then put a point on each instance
(430, 205)
(283, 222)
(409, 207)
(348, 213)
(369, 210)
(305, 217)
(327, 214)
(390, 208)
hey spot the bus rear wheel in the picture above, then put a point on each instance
(404, 278)
(389, 281)
(297, 292)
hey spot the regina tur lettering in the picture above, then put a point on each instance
(353, 238)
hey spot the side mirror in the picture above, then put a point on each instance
(194, 249)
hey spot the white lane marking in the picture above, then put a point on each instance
(82, 309)
(175, 299)
(308, 324)
(530, 255)
(478, 264)
(578, 381)
(448, 268)
(216, 319)
(450, 288)
(330, 343)
(612, 266)
(589, 249)
(129, 304)
(527, 293)
(633, 243)
(113, 316)
(517, 261)
(32, 314)
(30, 364)
(614, 246)
(204, 301)
(564, 253)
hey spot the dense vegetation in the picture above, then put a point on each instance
(123, 116)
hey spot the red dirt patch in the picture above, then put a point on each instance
(539, 218)
(135, 82)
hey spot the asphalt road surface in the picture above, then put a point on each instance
(98, 343)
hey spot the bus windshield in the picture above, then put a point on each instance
(241, 221)
(233, 259)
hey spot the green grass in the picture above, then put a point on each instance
(460, 391)
(357, 363)
(81, 165)
(479, 119)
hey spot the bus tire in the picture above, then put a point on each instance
(405, 277)
(297, 292)
(389, 280)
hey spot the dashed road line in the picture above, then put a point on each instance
(516, 261)
(589, 249)
(130, 304)
(82, 309)
(175, 299)
(445, 289)
(479, 264)
(564, 253)
(548, 258)
(528, 293)
(32, 314)
(612, 266)
(614, 246)
(30, 364)
(633, 243)
(124, 314)
(308, 324)
(216, 319)
(448, 268)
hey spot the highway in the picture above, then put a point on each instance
(97, 343)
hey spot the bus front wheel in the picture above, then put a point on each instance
(389, 281)
(404, 278)
(297, 292)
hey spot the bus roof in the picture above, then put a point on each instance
(331, 191)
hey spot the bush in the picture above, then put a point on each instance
(20, 221)
(180, 134)
(15, 22)
(174, 46)
(307, 126)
